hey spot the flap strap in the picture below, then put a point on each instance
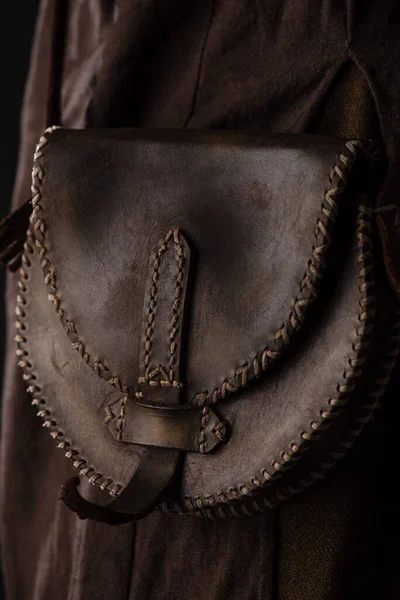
(193, 430)
(166, 305)
(155, 416)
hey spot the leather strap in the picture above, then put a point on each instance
(194, 430)
(163, 321)
(147, 487)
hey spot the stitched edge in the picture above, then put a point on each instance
(263, 503)
(218, 505)
(203, 426)
(39, 230)
(176, 305)
(308, 285)
(168, 379)
(121, 420)
(35, 389)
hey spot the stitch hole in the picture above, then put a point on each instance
(21, 353)
(105, 484)
(198, 502)
(209, 500)
(71, 453)
(43, 413)
(94, 478)
(34, 389)
(85, 470)
(29, 377)
(324, 414)
(233, 493)
(25, 364)
(115, 490)
(63, 444)
(78, 463)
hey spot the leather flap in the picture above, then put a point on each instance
(125, 360)
(257, 211)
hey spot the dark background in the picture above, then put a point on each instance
(16, 30)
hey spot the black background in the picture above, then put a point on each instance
(16, 31)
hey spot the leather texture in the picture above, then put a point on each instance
(278, 322)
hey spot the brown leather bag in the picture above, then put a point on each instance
(203, 319)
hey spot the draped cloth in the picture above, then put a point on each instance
(273, 65)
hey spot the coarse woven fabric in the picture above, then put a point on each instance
(329, 67)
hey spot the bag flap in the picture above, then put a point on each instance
(258, 212)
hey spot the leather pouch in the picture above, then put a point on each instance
(203, 319)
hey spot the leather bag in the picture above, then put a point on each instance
(204, 320)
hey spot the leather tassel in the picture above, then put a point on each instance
(13, 235)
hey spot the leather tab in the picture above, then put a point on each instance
(195, 430)
(160, 358)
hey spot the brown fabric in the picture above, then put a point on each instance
(272, 65)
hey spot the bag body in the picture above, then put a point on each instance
(204, 319)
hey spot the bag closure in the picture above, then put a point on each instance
(156, 415)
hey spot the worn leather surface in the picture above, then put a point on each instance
(250, 207)
(227, 193)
